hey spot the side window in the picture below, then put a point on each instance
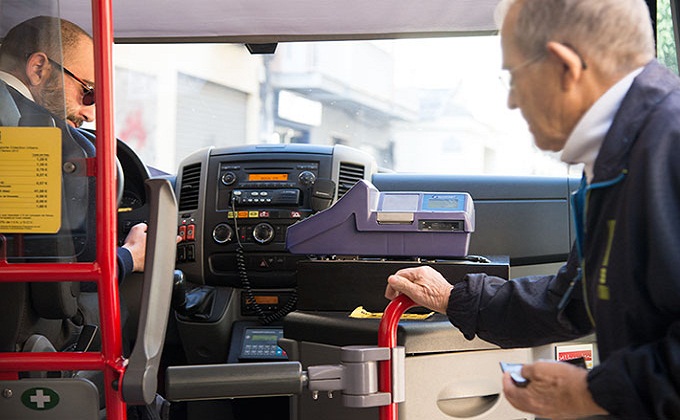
(666, 27)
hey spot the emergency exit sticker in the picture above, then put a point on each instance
(30, 179)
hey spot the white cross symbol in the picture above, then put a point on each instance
(40, 399)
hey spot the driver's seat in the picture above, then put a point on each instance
(9, 113)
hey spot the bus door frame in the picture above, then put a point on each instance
(103, 270)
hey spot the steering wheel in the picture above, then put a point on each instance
(120, 174)
(120, 182)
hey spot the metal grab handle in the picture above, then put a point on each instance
(238, 380)
(387, 337)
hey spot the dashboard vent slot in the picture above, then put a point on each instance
(191, 181)
(349, 175)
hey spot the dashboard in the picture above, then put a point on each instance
(235, 205)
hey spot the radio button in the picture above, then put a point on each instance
(228, 178)
(307, 178)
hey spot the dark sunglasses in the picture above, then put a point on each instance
(88, 91)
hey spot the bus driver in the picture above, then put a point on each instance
(28, 68)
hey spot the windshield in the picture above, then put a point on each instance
(432, 105)
(417, 105)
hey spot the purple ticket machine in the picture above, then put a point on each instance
(367, 222)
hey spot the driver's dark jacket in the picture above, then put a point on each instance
(630, 292)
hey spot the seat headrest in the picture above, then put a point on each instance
(55, 300)
(9, 113)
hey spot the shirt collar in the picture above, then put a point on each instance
(585, 141)
(17, 84)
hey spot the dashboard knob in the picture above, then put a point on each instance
(263, 233)
(228, 178)
(223, 233)
(307, 178)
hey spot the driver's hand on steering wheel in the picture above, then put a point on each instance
(135, 242)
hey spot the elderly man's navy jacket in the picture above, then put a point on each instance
(628, 287)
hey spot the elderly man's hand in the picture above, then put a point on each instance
(424, 285)
(555, 390)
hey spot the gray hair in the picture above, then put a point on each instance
(615, 35)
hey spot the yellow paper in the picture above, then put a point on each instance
(30, 179)
(362, 313)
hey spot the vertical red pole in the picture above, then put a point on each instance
(102, 24)
(387, 337)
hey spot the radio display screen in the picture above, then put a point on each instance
(267, 177)
(266, 300)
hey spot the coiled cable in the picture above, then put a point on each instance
(265, 319)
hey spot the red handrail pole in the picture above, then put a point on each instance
(387, 337)
(52, 361)
(112, 348)
(49, 272)
(104, 269)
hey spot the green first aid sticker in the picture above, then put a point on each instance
(40, 399)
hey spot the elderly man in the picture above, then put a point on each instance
(584, 76)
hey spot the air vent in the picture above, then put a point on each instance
(349, 175)
(191, 181)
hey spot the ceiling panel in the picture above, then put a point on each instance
(268, 20)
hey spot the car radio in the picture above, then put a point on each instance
(235, 205)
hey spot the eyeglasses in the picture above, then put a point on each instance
(507, 74)
(88, 91)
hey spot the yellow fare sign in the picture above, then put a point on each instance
(30, 179)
